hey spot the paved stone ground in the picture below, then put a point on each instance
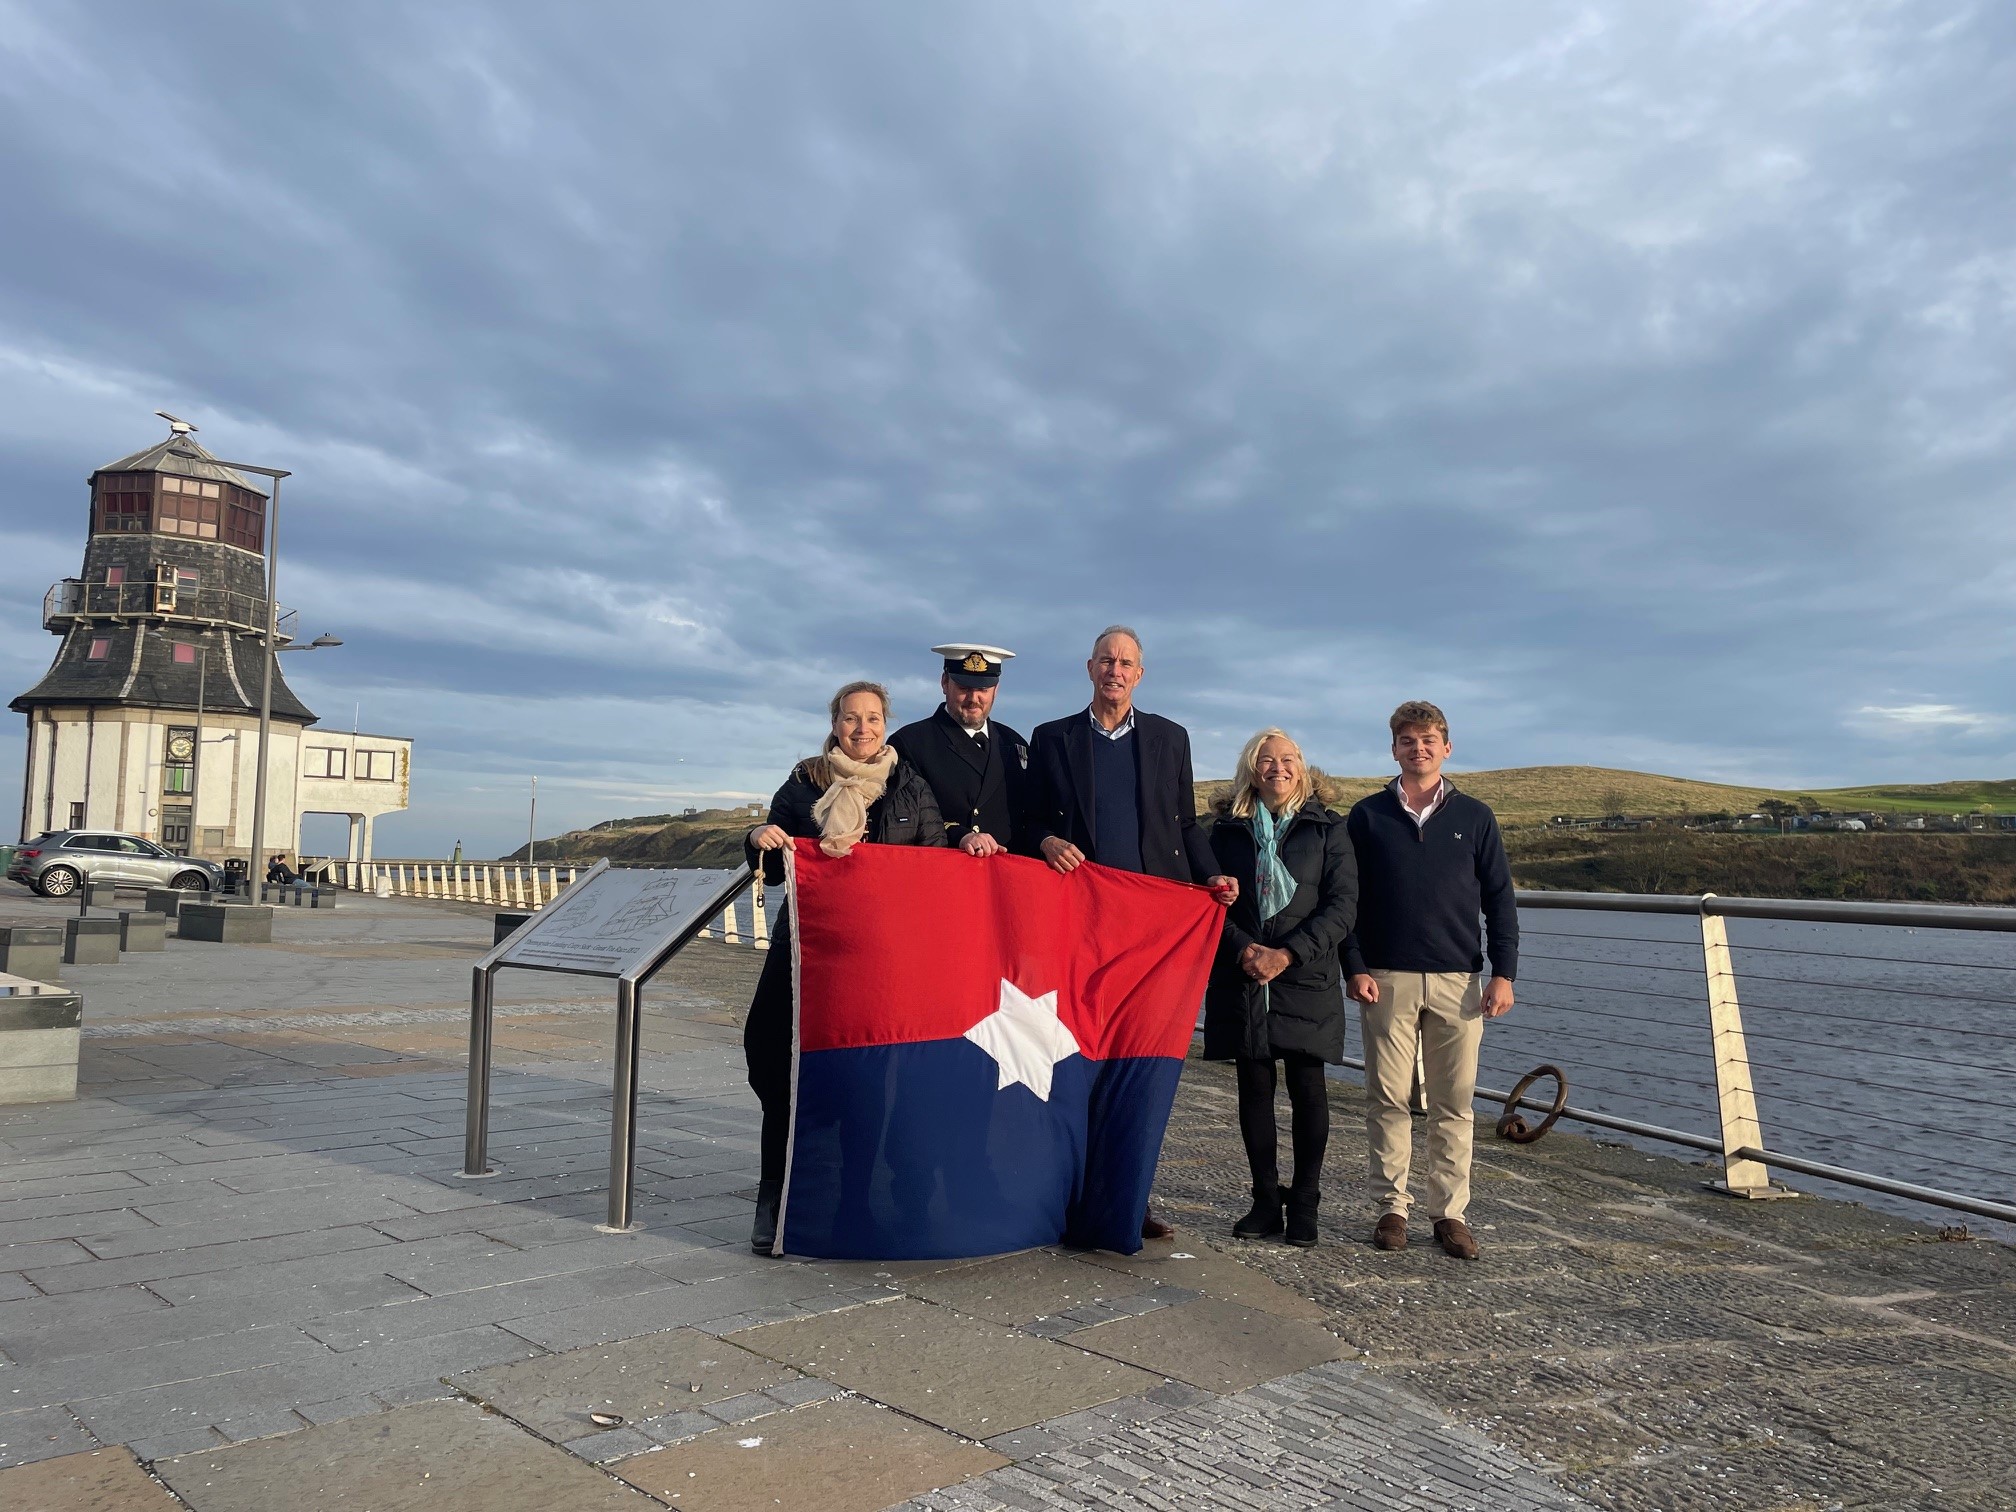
(249, 1231)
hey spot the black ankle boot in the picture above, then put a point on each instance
(763, 1237)
(1264, 1221)
(1302, 1205)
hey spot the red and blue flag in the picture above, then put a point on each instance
(986, 1052)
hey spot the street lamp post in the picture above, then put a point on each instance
(253, 872)
(272, 649)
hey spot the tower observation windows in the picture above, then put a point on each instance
(244, 518)
(125, 502)
(191, 507)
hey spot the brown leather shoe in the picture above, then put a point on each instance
(1154, 1228)
(1454, 1235)
(1391, 1232)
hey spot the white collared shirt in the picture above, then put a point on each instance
(1435, 801)
(1125, 727)
(986, 725)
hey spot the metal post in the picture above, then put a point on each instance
(476, 1146)
(1417, 1096)
(256, 870)
(623, 1109)
(1735, 1092)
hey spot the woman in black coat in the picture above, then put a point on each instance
(1276, 990)
(857, 789)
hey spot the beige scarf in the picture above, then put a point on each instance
(842, 810)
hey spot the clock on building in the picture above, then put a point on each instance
(180, 747)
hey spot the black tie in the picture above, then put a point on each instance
(980, 742)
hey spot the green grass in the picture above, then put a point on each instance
(1928, 798)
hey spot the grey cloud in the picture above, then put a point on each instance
(1633, 375)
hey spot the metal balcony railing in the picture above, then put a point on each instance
(212, 608)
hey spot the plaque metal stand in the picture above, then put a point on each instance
(623, 924)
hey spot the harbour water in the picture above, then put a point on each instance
(1886, 1050)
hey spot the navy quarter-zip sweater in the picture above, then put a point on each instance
(1421, 892)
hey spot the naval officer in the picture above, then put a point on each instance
(977, 767)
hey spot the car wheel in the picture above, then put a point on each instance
(57, 882)
(191, 881)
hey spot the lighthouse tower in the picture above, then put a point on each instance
(147, 721)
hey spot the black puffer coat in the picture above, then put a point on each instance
(1303, 1008)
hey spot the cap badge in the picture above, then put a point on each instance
(974, 662)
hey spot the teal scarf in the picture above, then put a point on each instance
(1272, 879)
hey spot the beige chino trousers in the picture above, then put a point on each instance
(1444, 1012)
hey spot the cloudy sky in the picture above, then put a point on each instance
(1633, 378)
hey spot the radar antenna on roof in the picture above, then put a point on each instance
(176, 424)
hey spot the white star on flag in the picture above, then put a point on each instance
(1025, 1037)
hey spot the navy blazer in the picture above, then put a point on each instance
(1173, 845)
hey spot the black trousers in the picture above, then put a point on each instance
(766, 1042)
(1309, 1118)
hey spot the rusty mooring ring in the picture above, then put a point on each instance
(1511, 1126)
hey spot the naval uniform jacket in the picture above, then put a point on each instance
(1302, 1010)
(905, 814)
(1061, 803)
(976, 789)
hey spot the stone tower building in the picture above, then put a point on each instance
(147, 721)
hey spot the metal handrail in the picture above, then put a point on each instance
(1793, 910)
(1744, 1150)
(74, 599)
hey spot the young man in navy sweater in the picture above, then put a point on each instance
(1430, 862)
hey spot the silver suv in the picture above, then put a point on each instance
(56, 863)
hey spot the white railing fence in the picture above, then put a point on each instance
(512, 885)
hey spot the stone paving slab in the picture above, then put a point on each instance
(440, 1457)
(845, 1455)
(676, 1371)
(101, 1480)
(1218, 1345)
(1191, 1264)
(1018, 1289)
(975, 1378)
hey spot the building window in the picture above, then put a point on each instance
(114, 576)
(377, 766)
(325, 761)
(244, 517)
(100, 647)
(185, 654)
(125, 501)
(76, 816)
(190, 507)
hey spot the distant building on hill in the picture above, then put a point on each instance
(147, 722)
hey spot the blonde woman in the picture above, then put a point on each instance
(857, 789)
(1276, 990)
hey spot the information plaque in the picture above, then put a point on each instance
(622, 923)
(613, 923)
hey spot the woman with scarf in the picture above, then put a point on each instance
(856, 789)
(1276, 990)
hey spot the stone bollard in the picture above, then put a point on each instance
(226, 923)
(168, 901)
(31, 950)
(142, 929)
(508, 922)
(91, 942)
(38, 1041)
(97, 895)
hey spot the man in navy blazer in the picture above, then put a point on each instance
(1113, 785)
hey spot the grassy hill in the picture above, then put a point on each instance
(1930, 798)
(1533, 795)
(1523, 797)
